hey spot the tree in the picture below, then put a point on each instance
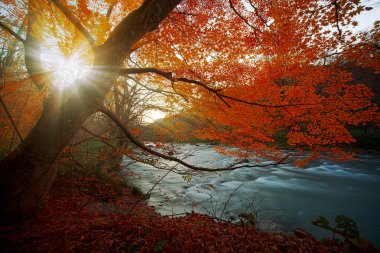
(250, 68)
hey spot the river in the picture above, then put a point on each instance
(283, 197)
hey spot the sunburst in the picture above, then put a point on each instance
(66, 70)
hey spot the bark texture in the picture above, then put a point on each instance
(27, 174)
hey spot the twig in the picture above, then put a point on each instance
(10, 118)
(150, 190)
(104, 140)
(229, 198)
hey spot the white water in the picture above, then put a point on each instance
(283, 196)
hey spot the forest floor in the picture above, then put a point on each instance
(85, 213)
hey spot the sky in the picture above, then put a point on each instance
(367, 18)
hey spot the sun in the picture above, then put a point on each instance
(66, 70)
(153, 115)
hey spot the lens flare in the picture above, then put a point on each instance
(66, 70)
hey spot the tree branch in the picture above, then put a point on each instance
(109, 11)
(146, 195)
(75, 22)
(243, 18)
(142, 20)
(337, 19)
(11, 119)
(104, 140)
(163, 92)
(258, 14)
(169, 76)
(255, 30)
(14, 34)
(130, 136)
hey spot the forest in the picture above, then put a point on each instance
(92, 88)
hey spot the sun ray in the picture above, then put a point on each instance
(66, 69)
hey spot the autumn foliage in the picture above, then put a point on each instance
(253, 69)
(248, 71)
(86, 214)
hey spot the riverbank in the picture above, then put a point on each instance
(84, 213)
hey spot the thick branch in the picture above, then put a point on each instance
(14, 34)
(169, 76)
(138, 23)
(131, 71)
(75, 22)
(130, 136)
(109, 11)
(337, 19)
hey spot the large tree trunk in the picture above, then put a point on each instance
(28, 172)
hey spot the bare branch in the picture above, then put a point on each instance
(163, 92)
(10, 118)
(243, 18)
(104, 140)
(148, 192)
(75, 160)
(75, 22)
(337, 19)
(14, 34)
(258, 14)
(130, 136)
(255, 30)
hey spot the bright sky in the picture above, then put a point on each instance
(367, 18)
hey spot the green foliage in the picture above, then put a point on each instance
(321, 222)
(345, 227)
(187, 177)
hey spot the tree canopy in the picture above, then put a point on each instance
(248, 70)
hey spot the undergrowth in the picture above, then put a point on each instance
(89, 211)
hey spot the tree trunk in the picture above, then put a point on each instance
(27, 174)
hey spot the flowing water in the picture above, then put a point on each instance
(282, 197)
